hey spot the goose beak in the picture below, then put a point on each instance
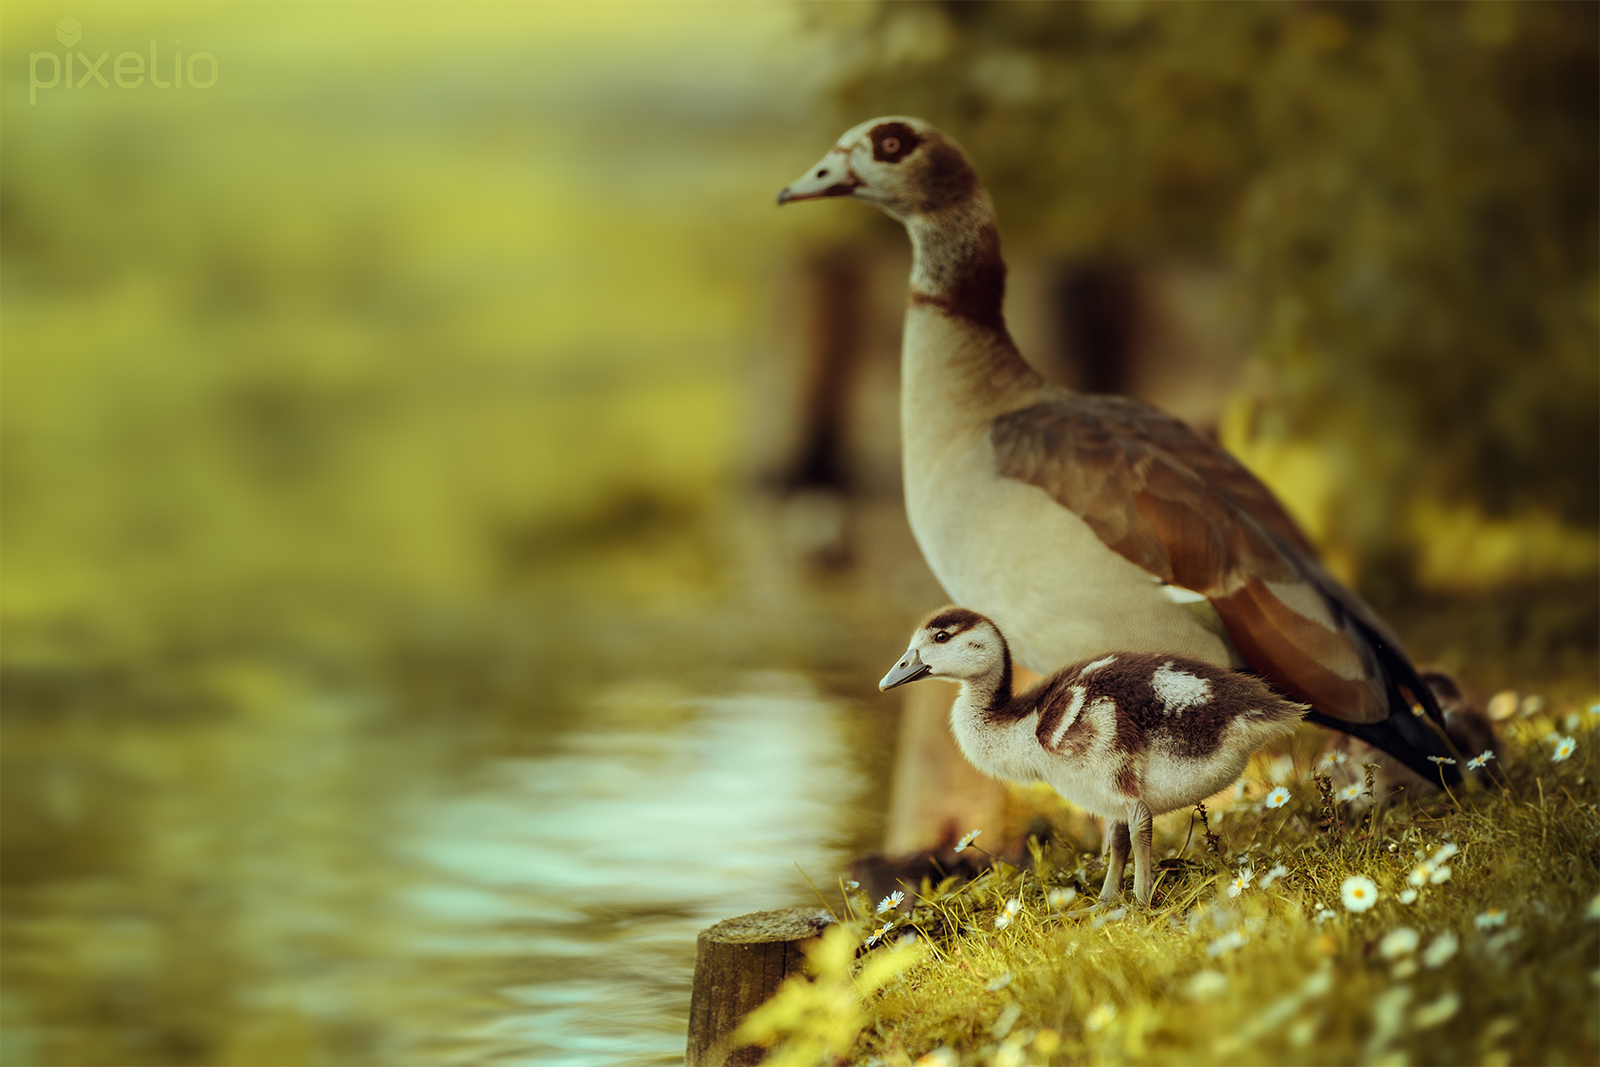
(909, 669)
(830, 177)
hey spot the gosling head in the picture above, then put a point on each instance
(956, 644)
(899, 164)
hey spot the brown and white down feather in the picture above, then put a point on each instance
(1127, 735)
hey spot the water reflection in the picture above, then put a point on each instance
(590, 869)
(240, 860)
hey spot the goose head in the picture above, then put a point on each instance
(899, 164)
(955, 644)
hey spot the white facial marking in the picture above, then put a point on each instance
(1178, 689)
(1096, 665)
(1068, 717)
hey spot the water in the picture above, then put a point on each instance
(605, 857)
(253, 855)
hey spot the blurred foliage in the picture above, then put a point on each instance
(1405, 192)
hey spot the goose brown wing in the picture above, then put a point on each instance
(1172, 502)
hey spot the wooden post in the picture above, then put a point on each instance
(738, 965)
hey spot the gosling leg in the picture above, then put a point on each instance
(1140, 827)
(1117, 835)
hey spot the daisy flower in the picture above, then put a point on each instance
(1358, 892)
(1408, 896)
(890, 902)
(1565, 746)
(1490, 919)
(1349, 792)
(1444, 946)
(1207, 984)
(1442, 759)
(1003, 920)
(1444, 852)
(1241, 881)
(1060, 898)
(1278, 797)
(1330, 760)
(877, 935)
(1437, 1012)
(965, 841)
(1479, 760)
(1420, 874)
(1227, 942)
(1439, 876)
(1324, 914)
(1273, 875)
(1099, 1016)
(1401, 941)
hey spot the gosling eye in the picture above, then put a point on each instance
(823, 173)
(940, 638)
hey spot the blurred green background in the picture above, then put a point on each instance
(393, 419)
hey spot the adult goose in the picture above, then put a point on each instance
(1083, 523)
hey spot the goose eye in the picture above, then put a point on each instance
(891, 145)
(940, 638)
(823, 173)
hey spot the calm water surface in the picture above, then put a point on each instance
(237, 857)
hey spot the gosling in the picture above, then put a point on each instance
(1128, 736)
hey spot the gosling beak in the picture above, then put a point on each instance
(830, 177)
(909, 669)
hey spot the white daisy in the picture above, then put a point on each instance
(1565, 747)
(1479, 760)
(1349, 792)
(1358, 892)
(1437, 1012)
(1408, 896)
(1420, 874)
(1331, 760)
(1227, 942)
(890, 902)
(1207, 984)
(1060, 898)
(1442, 759)
(1444, 946)
(1490, 919)
(1278, 797)
(1324, 914)
(1402, 941)
(1241, 881)
(1439, 876)
(1099, 1016)
(1273, 875)
(1444, 852)
(965, 841)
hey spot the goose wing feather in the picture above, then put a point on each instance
(1191, 515)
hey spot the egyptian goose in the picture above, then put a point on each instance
(1081, 523)
(1127, 736)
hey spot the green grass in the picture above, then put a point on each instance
(1279, 973)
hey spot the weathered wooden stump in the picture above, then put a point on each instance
(738, 965)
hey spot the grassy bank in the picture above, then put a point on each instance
(1369, 928)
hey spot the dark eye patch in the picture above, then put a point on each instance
(893, 141)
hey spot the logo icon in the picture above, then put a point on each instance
(69, 31)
